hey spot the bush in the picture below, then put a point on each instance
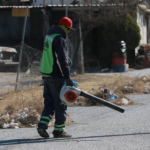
(125, 29)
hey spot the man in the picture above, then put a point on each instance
(55, 72)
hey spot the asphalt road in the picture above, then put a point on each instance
(94, 128)
(134, 73)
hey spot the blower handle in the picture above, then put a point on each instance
(75, 84)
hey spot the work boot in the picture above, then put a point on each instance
(63, 135)
(43, 133)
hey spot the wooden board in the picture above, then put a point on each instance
(20, 12)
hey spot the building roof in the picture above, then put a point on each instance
(144, 8)
(61, 6)
(6, 7)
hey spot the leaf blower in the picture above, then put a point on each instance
(69, 96)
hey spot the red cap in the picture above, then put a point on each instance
(66, 22)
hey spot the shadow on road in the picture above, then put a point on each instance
(43, 140)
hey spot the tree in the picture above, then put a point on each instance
(125, 29)
(95, 13)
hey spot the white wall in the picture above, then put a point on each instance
(148, 32)
(142, 23)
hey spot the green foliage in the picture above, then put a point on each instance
(125, 29)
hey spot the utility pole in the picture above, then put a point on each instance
(22, 42)
(81, 59)
(67, 8)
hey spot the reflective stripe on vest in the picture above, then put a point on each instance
(48, 58)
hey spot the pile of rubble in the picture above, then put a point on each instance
(27, 117)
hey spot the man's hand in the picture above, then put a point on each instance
(69, 82)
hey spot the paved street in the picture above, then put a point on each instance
(94, 128)
(134, 73)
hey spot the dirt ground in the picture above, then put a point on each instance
(26, 81)
(93, 84)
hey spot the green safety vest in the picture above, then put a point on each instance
(47, 58)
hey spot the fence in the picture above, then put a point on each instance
(29, 75)
(29, 72)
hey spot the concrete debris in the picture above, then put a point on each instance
(33, 125)
(73, 73)
(26, 110)
(128, 89)
(5, 116)
(1, 98)
(53, 121)
(14, 125)
(80, 97)
(20, 118)
(50, 124)
(125, 101)
(5, 126)
(6, 107)
(146, 91)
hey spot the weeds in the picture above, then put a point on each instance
(23, 108)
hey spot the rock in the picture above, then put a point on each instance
(50, 124)
(5, 126)
(146, 92)
(6, 107)
(33, 111)
(6, 116)
(93, 88)
(128, 89)
(33, 125)
(80, 97)
(74, 73)
(26, 110)
(111, 92)
(12, 121)
(53, 121)
(14, 125)
(1, 98)
(125, 101)
(28, 71)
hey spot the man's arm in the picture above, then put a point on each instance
(61, 55)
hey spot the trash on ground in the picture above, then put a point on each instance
(125, 101)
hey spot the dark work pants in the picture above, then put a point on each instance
(52, 102)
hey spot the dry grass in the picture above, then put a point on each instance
(17, 101)
(33, 98)
(120, 85)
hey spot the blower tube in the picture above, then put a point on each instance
(101, 101)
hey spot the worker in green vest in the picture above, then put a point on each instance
(55, 72)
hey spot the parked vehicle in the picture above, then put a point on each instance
(7, 59)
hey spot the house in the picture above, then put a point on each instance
(44, 13)
(11, 26)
